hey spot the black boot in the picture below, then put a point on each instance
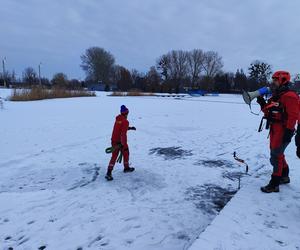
(108, 176)
(273, 185)
(128, 169)
(285, 176)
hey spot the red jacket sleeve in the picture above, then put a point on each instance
(124, 128)
(290, 102)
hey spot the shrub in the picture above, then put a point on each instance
(40, 93)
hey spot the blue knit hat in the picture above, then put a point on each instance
(124, 109)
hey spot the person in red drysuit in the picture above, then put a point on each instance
(119, 142)
(282, 113)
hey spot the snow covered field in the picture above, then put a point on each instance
(53, 194)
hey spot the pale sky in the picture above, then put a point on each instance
(137, 32)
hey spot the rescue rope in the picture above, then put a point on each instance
(110, 150)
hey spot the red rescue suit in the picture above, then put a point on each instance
(282, 114)
(119, 141)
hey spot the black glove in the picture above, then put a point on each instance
(287, 136)
(298, 152)
(261, 101)
(131, 128)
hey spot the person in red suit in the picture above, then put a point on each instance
(282, 113)
(119, 142)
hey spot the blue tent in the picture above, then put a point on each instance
(197, 92)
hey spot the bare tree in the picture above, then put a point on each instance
(173, 66)
(179, 64)
(153, 80)
(60, 80)
(135, 75)
(124, 80)
(212, 64)
(116, 73)
(179, 68)
(30, 76)
(164, 66)
(195, 64)
(8, 78)
(98, 64)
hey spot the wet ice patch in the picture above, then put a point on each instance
(34, 179)
(92, 172)
(140, 183)
(233, 176)
(171, 153)
(209, 198)
(215, 163)
(183, 236)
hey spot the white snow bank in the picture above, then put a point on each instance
(255, 220)
(52, 166)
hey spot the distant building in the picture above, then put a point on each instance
(96, 86)
(197, 92)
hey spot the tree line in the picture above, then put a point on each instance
(30, 77)
(173, 72)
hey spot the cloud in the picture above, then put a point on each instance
(137, 32)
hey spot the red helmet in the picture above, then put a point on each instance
(282, 76)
